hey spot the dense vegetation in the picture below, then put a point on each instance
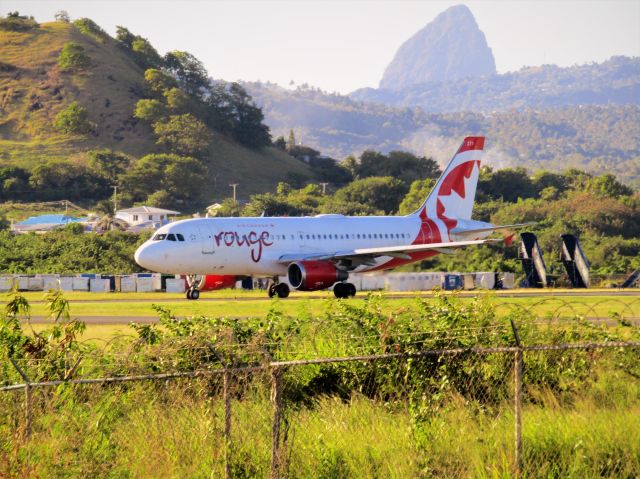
(429, 417)
(594, 138)
(69, 250)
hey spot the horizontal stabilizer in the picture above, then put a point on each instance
(457, 231)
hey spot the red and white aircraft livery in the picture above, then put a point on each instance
(321, 251)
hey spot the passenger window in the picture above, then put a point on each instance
(307, 236)
(358, 236)
(180, 237)
(369, 235)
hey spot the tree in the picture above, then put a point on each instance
(73, 119)
(159, 81)
(178, 101)
(381, 193)
(183, 134)
(150, 110)
(72, 57)
(62, 16)
(607, 186)
(145, 55)
(280, 143)
(418, 192)
(58, 179)
(190, 72)
(291, 143)
(508, 184)
(399, 164)
(183, 179)
(109, 164)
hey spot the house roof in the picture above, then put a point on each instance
(150, 210)
(50, 220)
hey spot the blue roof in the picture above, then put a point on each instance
(50, 219)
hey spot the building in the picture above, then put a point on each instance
(144, 214)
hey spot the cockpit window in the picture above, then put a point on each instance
(171, 237)
(180, 237)
(159, 237)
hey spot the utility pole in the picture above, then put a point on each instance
(115, 199)
(234, 186)
(324, 188)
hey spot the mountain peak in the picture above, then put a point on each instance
(450, 47)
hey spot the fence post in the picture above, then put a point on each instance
(276, 400)
(27, 396)
(518, 366)
(227, 423)
(226, 392)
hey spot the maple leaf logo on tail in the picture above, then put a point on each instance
(453, 195)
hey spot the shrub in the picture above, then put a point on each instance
(73, 119)
(15, 22)
(72, 57)
(91, 28)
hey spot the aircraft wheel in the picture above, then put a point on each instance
(195, 294)
(282, 290)
(272, 290)
(188, 295)
(339, 290)
(350, 289)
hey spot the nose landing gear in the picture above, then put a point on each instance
(192, 290)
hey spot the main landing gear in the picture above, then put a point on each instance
(192, 290)
(279, 289)
(344, 290)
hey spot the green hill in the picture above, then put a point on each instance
(34, 89)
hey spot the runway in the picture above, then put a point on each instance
(107, 310)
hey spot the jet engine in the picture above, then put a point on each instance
(314, 275)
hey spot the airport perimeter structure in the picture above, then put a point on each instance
(506, 395)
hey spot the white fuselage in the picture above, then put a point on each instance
(253, 246)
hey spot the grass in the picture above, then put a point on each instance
(428, 417)
(139, 430)
(237, 303)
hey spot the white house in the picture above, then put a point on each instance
(145, 214)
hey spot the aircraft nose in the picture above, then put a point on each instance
(145, 257)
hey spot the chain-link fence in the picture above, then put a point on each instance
(540, 410)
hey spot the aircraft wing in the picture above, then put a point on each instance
(402, 251)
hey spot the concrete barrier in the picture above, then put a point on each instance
(128, 284)
(175, 285)
(80, 283)
(144, 285)
(99, 285)
(485, 280)
(6, 283)
(66, 283)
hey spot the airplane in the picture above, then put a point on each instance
(321, 251)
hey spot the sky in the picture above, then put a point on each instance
(344, 45)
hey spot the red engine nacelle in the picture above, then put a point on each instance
(211, 282)
(314, 275)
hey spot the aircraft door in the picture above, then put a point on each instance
(206, 240)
